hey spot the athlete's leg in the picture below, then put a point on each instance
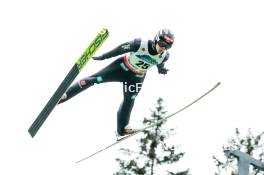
(130, 91)
(112, 72)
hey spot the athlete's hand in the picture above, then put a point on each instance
(163, 70)
(98, 58)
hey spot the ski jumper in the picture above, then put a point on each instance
(130, 69)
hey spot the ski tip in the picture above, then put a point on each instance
(217, 84)
(104, 30)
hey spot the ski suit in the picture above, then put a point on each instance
(130, 69)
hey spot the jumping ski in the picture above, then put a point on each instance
(75, 70)
(152, 125)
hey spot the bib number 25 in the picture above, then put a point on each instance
(142, 64)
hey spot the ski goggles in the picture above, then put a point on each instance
(164, 44)
(165, 41)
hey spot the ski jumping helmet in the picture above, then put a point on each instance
(164, 38)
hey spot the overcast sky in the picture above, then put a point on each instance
(41, 40)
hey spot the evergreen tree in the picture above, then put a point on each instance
(250, 144)
(154, 152)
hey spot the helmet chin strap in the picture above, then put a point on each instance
(154, 47)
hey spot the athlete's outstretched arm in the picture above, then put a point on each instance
(131, 46)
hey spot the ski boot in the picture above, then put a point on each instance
(125, 132)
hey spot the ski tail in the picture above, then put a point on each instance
(75, 70)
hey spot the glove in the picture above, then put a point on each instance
(99, 58)
(162, 70)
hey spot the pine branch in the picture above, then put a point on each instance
(249, 144)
